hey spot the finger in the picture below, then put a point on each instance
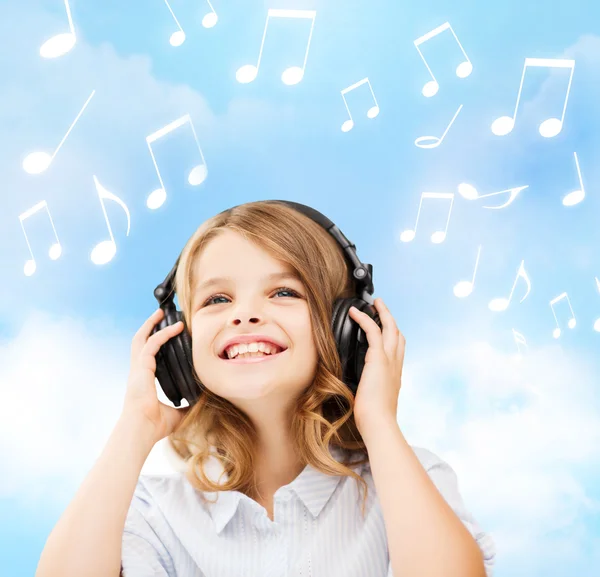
(369, 326)
(159, 338)
(391, 333)
(141, 336)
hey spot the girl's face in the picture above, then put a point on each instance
(250, 302)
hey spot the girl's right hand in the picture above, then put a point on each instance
(141, 399)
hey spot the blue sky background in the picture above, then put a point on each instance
(523, 435)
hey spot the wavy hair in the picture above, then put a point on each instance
(323, 414)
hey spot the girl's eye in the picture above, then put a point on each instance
(279, 290)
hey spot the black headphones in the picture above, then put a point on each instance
(174, 366)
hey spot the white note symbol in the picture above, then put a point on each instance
(597, 323)
(469, 192)
(551, 126)
(575, 196)
(293, 74)
(501, 304)
(55, 249)
(104, 251)
(371, 113)
(60, 44)
(519, 339)
(462, 70)
(435, 141)
(440, 235)
(37, 162)
(464, 288)
(211, 18)
(572, 321)
(196, 176)
(178, 37)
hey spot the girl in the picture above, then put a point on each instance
(273, 441)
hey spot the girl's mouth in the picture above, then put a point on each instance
(250, 360)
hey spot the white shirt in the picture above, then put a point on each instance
(318, 529)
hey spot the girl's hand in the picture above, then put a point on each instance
(377, 394)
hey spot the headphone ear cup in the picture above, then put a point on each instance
(351, 340)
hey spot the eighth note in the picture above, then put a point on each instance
(435, 141)
(104, 251)
(519, 338)
(293, 74)
(462, 70)
(575, 196)
(440, 235)
(551, 126)
(469, 192)
(501, 304)
(371, 113)
(55, 249)
(61, 43)
(572, 321)
(196, 176)
(37, 162)
(464, 288)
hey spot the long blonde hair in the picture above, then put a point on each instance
(324, 411)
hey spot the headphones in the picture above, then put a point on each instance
(174, 366)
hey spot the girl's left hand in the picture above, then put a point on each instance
(377, 394)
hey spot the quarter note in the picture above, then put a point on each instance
(37, 162)
(178, 37)
(464, 288)
(501, 304)
(575, 196)
(196, 176)
(572, 321)
(440, 235)
(55, 249)
(371, 113)
(462, 70)
(293, 74)
(104, 251)
(211, 18)
(469, 192)
(551, 126)
(435, 141)
(60, 44)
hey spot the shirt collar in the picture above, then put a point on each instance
(311, 486)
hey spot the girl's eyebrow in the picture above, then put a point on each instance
(224, 279)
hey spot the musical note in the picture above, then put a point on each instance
(178, 37)
(60, 44)
(575, 196)
(293, 74)
(438, 236)
(55, 249)
(211, 18)
(371, 113)
(37, 162)
(597, 322)
(435, 140)
(519, 339)
(104, 251)
(551, 126)
(501, 304)
(196, 176)
(464, 288)
(462, 70)
(469, 192)
(572, 321)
